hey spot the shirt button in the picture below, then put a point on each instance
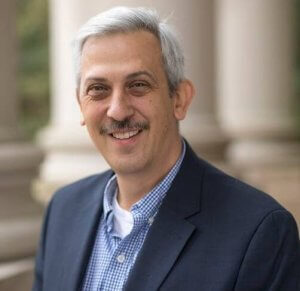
(150, 220)
(121, 258)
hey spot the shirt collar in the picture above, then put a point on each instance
(147, 207)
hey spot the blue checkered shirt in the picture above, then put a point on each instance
(112, 258)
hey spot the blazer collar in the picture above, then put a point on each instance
(171, 230)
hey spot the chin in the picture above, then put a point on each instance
(127, 166)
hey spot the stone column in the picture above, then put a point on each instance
(70, 154)
(257, 98)
(19, 216)
(196, 26)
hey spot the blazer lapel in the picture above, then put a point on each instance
(158, 255)
(81, 236)
(171, 230)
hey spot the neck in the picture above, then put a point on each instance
(134, 187)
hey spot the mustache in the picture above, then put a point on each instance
(123, 125)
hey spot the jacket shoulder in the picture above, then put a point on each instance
(82, 188)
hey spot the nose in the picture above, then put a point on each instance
(120, 107)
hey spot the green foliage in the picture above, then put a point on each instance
(297, 77)
(33, 77)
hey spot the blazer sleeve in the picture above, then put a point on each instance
(272, 259)
(40, 256)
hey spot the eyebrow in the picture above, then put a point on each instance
(139, 73)
(95, 79)
(128, 77)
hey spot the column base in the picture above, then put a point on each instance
(206, 138)
(264, 152)
(68, 158)
(20, 215)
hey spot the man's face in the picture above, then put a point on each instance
(125, 101)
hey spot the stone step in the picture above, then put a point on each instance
(17, 275)
(19, 237)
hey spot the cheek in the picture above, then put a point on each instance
(162, 120)
(165, 111)
(92, 112)
(143, 109)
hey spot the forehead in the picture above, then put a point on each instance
(139, 50)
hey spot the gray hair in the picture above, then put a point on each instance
(125, 19)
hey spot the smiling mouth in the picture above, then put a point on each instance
(125, 135)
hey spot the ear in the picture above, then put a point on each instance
(82, 121)
(183, 98)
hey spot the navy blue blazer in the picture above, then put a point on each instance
(212, 233)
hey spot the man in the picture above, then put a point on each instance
(161, 219)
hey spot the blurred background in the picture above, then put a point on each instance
(243, 56)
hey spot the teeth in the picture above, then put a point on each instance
(124, 135)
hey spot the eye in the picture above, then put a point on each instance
(98, 91)
(139, 88)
